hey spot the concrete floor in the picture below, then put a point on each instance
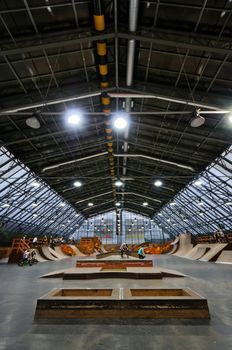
(20, 287)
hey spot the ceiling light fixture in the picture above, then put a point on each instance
(197, 120)
(120, 121)
(33, 122)
(118, 204)
(145, 204)
(118, 183)
(158, 183)
(77, 184)
(74, 118)
(90, 204)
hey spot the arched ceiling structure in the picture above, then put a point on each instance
(49, 64)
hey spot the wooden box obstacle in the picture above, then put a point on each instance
(121, 303)
(114, 264)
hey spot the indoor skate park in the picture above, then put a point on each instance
(115, 174)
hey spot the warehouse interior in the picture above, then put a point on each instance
(115, 127)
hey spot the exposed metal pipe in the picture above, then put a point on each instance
(140, 195)
(73, 161)
(133, 15)
(133, 19)
(53, 102)
(179, 165)
(130, 62)
(166, 98)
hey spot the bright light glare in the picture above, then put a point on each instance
(117, 204)
(77, 184)
(74, 118)
(90, 204)
(145, 204)
(198, 183)
(230, 117)
(35, 184)
(158, 183)
(6, 205)
(120, 122)
(118, 183)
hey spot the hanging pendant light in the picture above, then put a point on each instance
(33, 122)
(197, 120)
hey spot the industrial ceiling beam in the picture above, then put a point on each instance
(128, 36)
(57, 44)
(97, 196)
(73, 161)
(54, 101)
(139, 195)
(185, 101)
(174, 43)
(179, 165)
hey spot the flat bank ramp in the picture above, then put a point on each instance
(225, 257)
(213, 251)
(185, 244)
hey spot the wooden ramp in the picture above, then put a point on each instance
(76, 250)
(38, 256)
(59, 251)
(185, 244)
(215, 249)
(18, 247)
(225, 257)
(197, 252)
(46, 254)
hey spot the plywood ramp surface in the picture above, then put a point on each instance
(46, 253)
(76, 250)
(215, 249)
(225, 257)
(60, 254)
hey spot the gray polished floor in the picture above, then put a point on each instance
(20, 287)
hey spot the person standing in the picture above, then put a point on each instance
(122, 249)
